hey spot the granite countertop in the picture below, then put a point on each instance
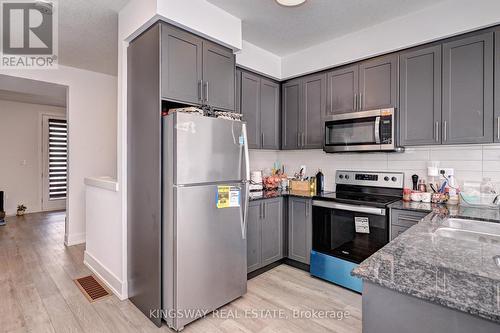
(459, 274)
(268, 194)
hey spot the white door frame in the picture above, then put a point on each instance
(48, 205)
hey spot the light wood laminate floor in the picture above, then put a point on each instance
(37, 293)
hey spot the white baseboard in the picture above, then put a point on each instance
(117, 286)
(74, 239)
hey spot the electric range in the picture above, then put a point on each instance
(352, 223)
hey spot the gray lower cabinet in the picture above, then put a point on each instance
(420, 96)
(264, 233)
(260, 107)
(304, 105)
(497, 87)
(402, 220)
(291, 95)
(342, 90)
(378, 83)
(299, 229)
(468, 90)
(254, 223)
(196, 71)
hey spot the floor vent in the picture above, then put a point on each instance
(91, 288)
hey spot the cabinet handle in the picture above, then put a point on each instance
(200, 90)
(436, 132)
(263, 210)
(298, 139)
(260, 211)
(206, 92)
(360, 102)
(444, 131)
(303, 139)
(355, 102)
(498, 128)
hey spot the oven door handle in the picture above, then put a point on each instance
(377, 130)
(352, 208)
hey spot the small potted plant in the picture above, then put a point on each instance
(21, 209)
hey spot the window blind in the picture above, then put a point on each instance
(58, 159)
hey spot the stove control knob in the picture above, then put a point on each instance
(341, 176)
(386, 178)
(394, 179)
(346, 176)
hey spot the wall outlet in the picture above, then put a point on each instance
(448, 173)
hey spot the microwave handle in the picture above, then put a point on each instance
(377, 130)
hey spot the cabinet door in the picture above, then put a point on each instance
(237, 92)
(468, 90)
(299, 229)
(342, 90)
(218, 76)
(420, 101)
(272, 249)
(250, 107)
(497, 86)
(312, 111)
(254, 235)
(181, 65)
(291, 99)
(270, 114)
(378, 83)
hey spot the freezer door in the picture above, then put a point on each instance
(206, 150)
(210, 251)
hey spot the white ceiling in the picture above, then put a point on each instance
(88, 34)
(285, 30)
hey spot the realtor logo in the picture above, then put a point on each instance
(28, 34)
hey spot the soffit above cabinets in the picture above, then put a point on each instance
(285, 30)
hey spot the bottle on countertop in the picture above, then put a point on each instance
(320, 182)
(422, 187)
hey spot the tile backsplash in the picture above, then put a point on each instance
(471, 162)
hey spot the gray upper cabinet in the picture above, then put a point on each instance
(181, 65)
(342, 90)
(304, 105)
(291, 100)
(468, 90)
(378, 83)
(314, 108)
(218, 76)
(270, 114)
(299, 229)
(250, 107)
(272, 232)
(497, 86)
(420, 96)
(253, 236)
(260, 106)
(196, 71)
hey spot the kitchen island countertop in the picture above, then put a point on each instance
(458, 274)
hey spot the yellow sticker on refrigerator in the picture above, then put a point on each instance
(228, 196)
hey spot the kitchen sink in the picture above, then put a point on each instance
(470, 230)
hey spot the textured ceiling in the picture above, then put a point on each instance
(88, 34)
(282, 30)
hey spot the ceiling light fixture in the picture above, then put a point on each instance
(290, 3)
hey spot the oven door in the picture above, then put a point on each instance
(360, 131)
(348, 232)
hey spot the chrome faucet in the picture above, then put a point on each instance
(496, 201)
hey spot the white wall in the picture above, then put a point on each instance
(439, 21)
(91, 115)
(471, 162)
(21, 140)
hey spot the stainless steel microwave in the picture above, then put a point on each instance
(373, 130)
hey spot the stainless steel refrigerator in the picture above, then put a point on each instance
(205, 199)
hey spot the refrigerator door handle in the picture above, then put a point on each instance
(244, 213)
